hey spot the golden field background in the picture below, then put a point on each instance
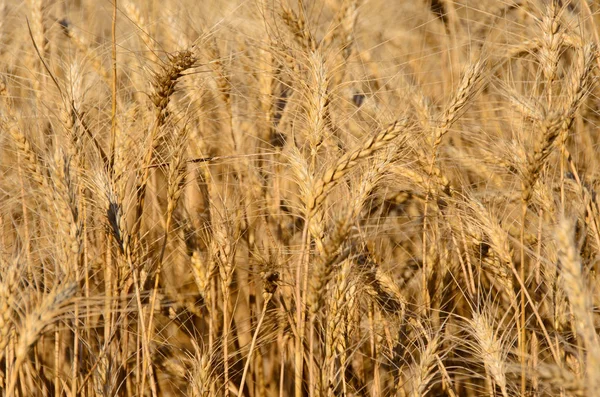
(299, 198)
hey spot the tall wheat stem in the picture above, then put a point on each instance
(113, 114)
(523, 331)
(253, 343)
(301, 273)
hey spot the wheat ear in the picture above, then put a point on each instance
(580, 300)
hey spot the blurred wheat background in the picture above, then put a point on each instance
(299, 198)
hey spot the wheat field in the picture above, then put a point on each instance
(299, 198)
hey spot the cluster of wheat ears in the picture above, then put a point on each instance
(299, 198)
